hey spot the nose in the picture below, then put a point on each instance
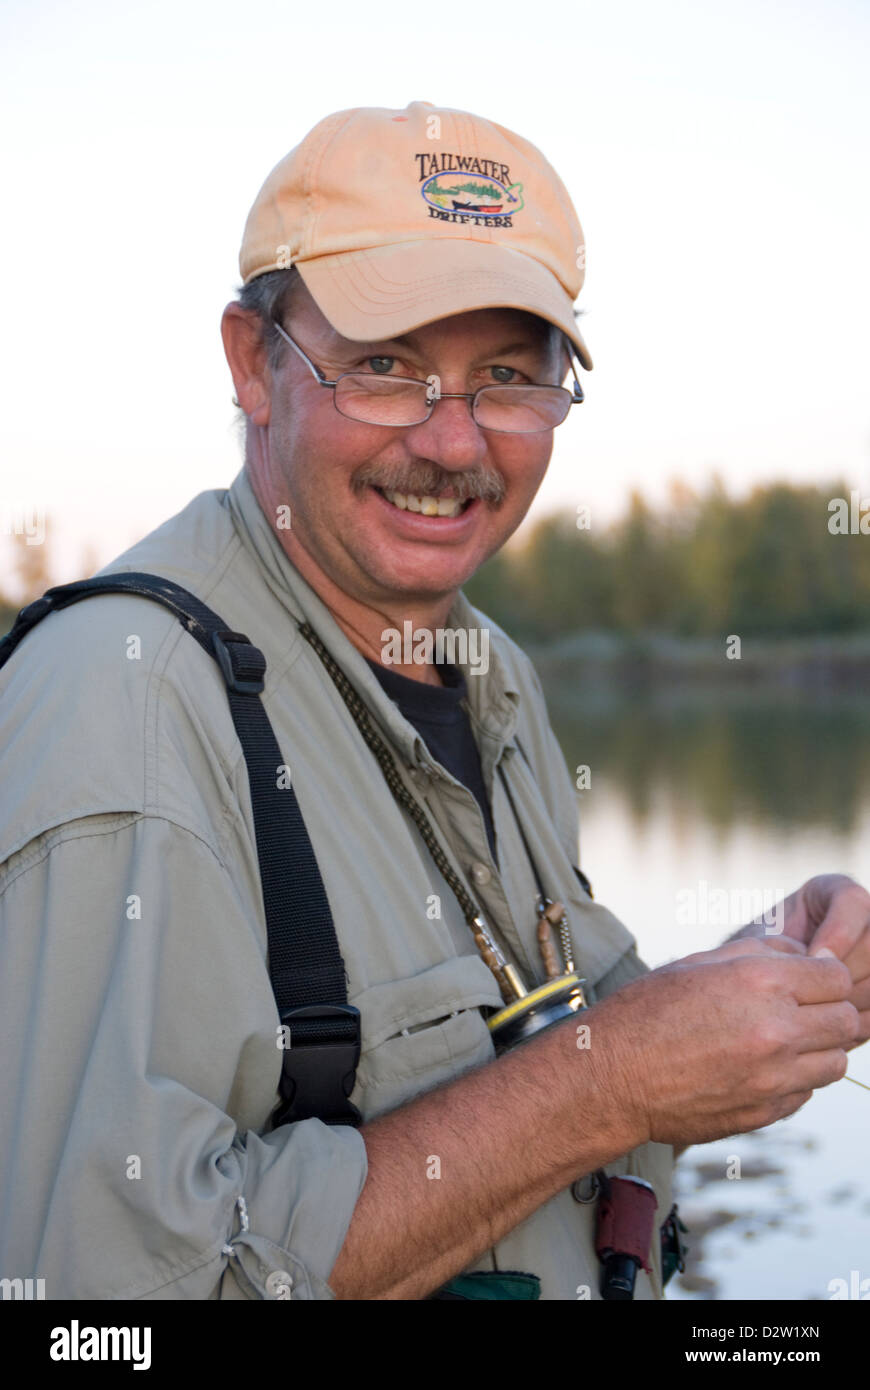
(449, 437)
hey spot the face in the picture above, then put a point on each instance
(336, 473)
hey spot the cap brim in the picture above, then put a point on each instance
(385, 291)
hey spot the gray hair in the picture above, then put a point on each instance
(270, 296)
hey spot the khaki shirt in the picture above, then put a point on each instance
(139, 1031)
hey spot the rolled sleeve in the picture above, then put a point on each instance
(314, 1173)
(140, 1069)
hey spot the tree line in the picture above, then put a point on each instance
(701, 565)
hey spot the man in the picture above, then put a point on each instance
(140, 1061)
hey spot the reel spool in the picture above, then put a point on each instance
(549, 1003)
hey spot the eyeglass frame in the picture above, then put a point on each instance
(434, 394)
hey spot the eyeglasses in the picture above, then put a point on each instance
(400, 401)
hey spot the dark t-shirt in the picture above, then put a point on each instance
(438, 715)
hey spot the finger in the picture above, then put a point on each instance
(746, 946)
(817, 980)
(759, 1117)
(754, 946)
(860, 995)
(815, 1069)
(823, 1026)
(844, 923)
(858, 959)
(757, 931)
(863, 1029)
(787, 945)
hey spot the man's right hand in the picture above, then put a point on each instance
(726, 1041)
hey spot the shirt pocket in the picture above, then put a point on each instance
(421, 1031)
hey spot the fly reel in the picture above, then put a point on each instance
(538, 1009)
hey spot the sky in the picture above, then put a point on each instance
(717, 155)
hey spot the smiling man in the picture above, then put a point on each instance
(389, 520)
(399, 352)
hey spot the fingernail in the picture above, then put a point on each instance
(823, 951)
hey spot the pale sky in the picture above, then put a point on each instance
(717, 155)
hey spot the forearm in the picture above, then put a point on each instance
(507, 1137)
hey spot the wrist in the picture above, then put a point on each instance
(607, 1085)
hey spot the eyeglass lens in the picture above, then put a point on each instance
(510, 409)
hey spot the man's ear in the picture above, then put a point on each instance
(242, 333)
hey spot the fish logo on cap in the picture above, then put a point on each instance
(462, 190)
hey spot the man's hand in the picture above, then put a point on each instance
(831, 912)
(725, 1041)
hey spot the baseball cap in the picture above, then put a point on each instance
(396, 218)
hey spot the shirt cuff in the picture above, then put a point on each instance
(315, 1173)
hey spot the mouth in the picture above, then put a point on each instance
(427, 505)
(442, 519)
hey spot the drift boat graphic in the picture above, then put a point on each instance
(481, 195)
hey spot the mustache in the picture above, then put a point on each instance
(430, 479)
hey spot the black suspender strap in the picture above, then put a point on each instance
(321, 1049)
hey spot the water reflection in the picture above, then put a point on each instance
(766, 758)
(745, 787)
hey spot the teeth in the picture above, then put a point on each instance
(429, 506)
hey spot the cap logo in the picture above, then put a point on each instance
(461, 188)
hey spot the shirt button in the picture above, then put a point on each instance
(481, 874)
(279, 1284)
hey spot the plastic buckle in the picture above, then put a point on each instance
(319, 1069)
(231, 662)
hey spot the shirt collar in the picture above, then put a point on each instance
(493, 698)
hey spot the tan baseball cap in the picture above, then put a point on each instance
(398, 218)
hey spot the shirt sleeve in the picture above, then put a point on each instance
(140, 1064)
(629, 967)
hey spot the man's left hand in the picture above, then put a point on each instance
(831, 912)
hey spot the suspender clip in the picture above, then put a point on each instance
(320, 1062)
(243, 664)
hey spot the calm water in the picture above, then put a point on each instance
(698, 806)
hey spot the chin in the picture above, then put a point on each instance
(403, 584)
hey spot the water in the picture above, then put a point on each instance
(700, 805)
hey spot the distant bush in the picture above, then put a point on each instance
(704, 565)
